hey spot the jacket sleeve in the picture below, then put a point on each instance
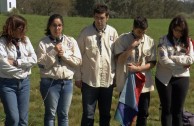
(73, 56)
(27, 61)
(6, 68)
(185, 59)
(46, 59)
(118, 47)
(81, 45)
(163, 57)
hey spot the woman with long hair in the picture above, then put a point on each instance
(17, 57)
(175, 55)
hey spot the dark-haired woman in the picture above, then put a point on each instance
(17, 56)
(175, 55)
(58, 56)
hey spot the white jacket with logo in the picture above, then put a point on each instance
(49, 63)
(97, 70)
(147, 53)
(170, 64)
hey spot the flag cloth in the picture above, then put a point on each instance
(127, 107)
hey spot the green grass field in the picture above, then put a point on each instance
(73, 25)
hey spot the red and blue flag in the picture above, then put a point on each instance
(127, 107)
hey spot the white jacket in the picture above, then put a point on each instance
(28, 59)
(48, 61)
(97, 70)
(170, 64)
(147, 52)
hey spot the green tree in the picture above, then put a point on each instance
(121, 8)
(171, 8)
(23, 6)
(148, 8)
(84, 7)
(45, 7)
(118, 8)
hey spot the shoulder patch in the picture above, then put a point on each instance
(69, 41)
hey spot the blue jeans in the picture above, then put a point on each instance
(90, 97)
(57, 96)
(15, 95)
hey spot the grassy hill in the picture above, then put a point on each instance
(72, 27)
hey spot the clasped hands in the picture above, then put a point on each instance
(58, 48)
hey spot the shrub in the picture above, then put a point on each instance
(12, 12)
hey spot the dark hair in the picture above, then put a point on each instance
(179, 21)
(101, 8)
(50, 21)
(140, 22)
(11, 25)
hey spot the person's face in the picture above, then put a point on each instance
(177, 32)
(56, 27)
(138, 32)
(19, 32)
(100, 20)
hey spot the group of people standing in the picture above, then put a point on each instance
(92, 61)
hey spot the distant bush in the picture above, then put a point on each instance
(192, 15)
(114, 14)
(12, 11)
(186, 15)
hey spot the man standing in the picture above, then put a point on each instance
(136, 53)
(95, 76)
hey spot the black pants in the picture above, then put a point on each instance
(143, 106)
(90, 97)
(172, 98)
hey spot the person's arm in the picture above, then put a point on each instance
(6, 63)
(46, 60)
(163, 57)
(28, 60)
(185, 60)
(81, 45)
(72, 57)
(150, 60)
(146, 67)
(123, 56)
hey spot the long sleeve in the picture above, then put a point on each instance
(29, 56)
(46, 59)
(187, 59)
(163, 57)
(6, 68)
(23, 69)
(72, 56)
(81, 45)
(53, 66)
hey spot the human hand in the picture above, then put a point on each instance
(11, 61)
(58, 47)
(134, 44)
(78, 84)
(60, 53)
(133, 68)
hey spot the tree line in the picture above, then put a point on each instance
(118, 8)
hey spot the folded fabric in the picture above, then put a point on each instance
(127, 107)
